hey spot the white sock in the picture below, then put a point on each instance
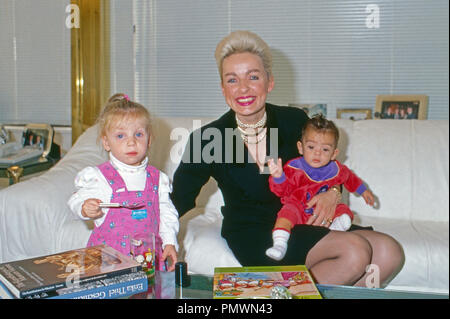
(341, 223)
(280, 240)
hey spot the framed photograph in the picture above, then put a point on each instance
(411, 107)
(354, 114)
(39, 135)
(312, 109)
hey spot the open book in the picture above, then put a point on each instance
(264, 282)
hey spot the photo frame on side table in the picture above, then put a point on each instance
(40, 135)
(411, 107)
(354, 114)
(312, 109)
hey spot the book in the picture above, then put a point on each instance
(109, 288)
(5, 293)
(66, 269)
(264, 282)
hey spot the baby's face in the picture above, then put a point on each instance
(128, 141)
(318, 148)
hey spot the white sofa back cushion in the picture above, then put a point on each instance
(419, 147)
(406, 166)
(170, 138)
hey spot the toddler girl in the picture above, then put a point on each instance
(304, 177)
(127, 179)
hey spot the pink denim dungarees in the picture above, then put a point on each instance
(120, 223)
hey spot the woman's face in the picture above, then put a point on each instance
(245, 85)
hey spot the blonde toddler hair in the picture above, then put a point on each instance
(119, 107)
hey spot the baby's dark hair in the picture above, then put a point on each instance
(320, 124)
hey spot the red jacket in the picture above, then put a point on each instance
(300, 182)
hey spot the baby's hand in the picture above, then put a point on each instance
(368, 197)
(276, 170)
(91, 208)
(169, 251)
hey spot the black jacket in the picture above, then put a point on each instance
(248, 199)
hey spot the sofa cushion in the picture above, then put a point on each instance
(405, 164)
(425, 244)
(203, 246)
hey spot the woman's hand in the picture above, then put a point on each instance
(325, 206)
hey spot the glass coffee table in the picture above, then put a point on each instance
(200, 287)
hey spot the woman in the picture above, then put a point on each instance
(245, 67)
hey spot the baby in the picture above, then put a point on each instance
(124, 180)
(304, 177)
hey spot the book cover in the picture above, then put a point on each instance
(110, 288)
(67, 269)
(5, 293)
(259, 282)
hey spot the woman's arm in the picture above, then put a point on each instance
(189, 179)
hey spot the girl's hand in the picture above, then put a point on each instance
(91, 209)
(169, 251)
(325, 208)
(275, 169)
(368, 197)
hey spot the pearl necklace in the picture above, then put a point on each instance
(258, 129)
(259, 137)
(258, 124)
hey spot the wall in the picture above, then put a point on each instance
(323, 52)
(342, 53)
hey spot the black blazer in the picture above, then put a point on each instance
(248, 199)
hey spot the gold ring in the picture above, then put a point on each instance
(330, 220)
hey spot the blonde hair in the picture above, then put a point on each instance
(119, 107)
(241, 42)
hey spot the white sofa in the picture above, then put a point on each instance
(405, 163)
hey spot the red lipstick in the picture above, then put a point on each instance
(245, 100)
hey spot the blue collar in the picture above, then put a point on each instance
(316, 174)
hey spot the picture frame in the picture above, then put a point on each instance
(40, 135)
(312, 109)
(354, 114)
(413, 107)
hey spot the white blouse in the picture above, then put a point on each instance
(91, 183)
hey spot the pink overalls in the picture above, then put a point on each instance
(120, 223)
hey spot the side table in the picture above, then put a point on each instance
(15, 172)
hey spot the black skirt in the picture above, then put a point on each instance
(249, 246)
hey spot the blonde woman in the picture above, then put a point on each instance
(245, 67)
